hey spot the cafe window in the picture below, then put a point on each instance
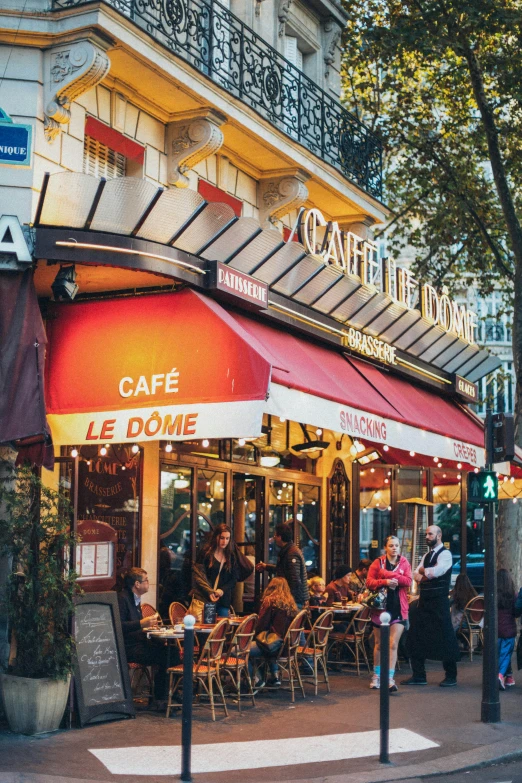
(210, 449)
(447, 509)
(375, 510)
(108, 514)
(309, 525)
(411, 489)
(280, 510)
(175, 515)
(211, 501)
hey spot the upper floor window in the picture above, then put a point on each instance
(102, 161)
(292, 52)
(494, 324)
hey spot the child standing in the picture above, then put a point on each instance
(507, 628)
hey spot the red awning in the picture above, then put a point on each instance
(166, 366)
(319, 386)
(22, 337)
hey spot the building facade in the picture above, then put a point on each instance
(235, 351)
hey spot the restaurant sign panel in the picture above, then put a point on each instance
(152, 371)
(466, 389)
(233, 285)
(359, 258)
(328, 414)
(15, 142)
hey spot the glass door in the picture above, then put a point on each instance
(247, 527)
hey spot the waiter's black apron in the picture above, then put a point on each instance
(431, 633)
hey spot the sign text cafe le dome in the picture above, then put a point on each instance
(359, 258)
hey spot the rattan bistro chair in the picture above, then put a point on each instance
(470, 628)
(206, 671)
(176, 612)
(235, 660)
(316, 646)
(352, 641)
(287, 658)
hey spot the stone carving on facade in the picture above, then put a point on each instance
(280, 195)
(189, 141)
(71, 70)
(282, 14)
(332, 36)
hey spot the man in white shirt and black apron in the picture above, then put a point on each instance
(431, 634)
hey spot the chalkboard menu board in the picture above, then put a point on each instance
(101, 674)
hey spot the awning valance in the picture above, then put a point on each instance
(168, 366)
(321, 387)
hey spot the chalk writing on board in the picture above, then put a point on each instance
(97, 654)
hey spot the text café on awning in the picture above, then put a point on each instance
(210, 371)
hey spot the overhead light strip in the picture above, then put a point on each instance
(424, 372)
(306, 318)
(126, 251)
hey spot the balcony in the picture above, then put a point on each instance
(212, 39)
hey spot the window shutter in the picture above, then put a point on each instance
(100, 161)
(291, 49)
(292, 52)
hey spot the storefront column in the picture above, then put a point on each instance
(150, 517)
(7, 459)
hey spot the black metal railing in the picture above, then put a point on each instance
(217, 43)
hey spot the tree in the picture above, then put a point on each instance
(439, 81)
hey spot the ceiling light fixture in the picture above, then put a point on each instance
(369, 455)
(309, 446)
(268, 457)
(64, 287)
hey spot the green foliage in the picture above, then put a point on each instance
(439, 81)
(34, 532)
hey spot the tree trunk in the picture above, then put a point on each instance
(509, 539)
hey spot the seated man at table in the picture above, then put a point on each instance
(357, 582)
(138, 648)
(339, 588)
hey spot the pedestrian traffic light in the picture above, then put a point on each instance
(503, 437)
(482, 487)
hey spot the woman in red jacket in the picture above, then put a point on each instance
(393, 572)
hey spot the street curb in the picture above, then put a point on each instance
(505, 750)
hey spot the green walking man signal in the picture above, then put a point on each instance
(482, 487)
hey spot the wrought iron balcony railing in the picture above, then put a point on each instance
(209, 37)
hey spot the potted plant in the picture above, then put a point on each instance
(35, 532)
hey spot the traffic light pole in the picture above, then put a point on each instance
(490, 708)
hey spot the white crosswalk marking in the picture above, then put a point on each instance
(221, 757)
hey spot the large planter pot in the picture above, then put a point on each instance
(34, 706)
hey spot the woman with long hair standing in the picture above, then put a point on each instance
(460, 596)
(393, 572)
(215, 571)
(278, 609)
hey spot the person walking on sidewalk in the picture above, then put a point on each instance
(507, 626)
(392, 572)
(431, 633)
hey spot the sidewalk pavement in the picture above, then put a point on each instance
(445, 721)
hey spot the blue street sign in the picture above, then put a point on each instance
(15, 142)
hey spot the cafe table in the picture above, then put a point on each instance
(175, 633)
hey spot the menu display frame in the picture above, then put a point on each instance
(84, 668)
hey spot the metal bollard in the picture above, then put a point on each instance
(384, 755)
(186, 708)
